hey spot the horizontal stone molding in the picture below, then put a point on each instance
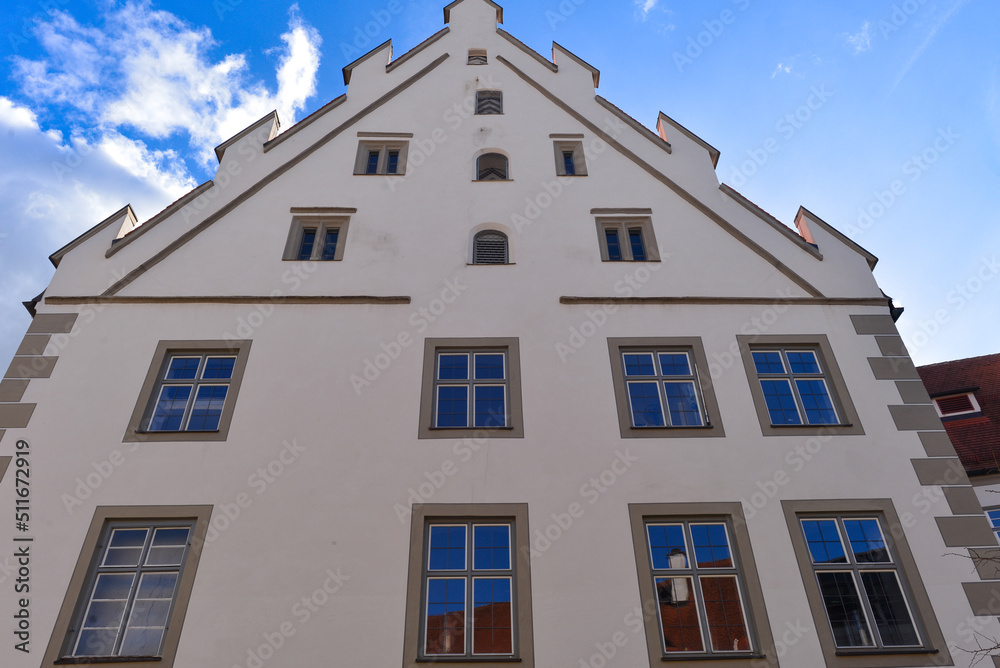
(893, 368)
(288, 299)
(31, 367)
(984, 597)
(966, 531)
(53, 323)
(963, 501)
(892, 346)
(940, 471)
(11, 391)
(717, 301)
(937, 444)
(913, 392)
(875, 324)
(915, 417)
(34, 344)
(15, 416)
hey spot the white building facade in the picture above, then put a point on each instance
(470, 367)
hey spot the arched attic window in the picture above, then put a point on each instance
(491, 167)
(489, 247)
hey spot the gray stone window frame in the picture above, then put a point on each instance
(696, 349)
(850, 422)
(421, 517)
(141, 414)
(641, 514)
(623, 224)
(383, 147)
(515, 426)
(321, 223)
(56, 653)
(561, 147)
(934, 651)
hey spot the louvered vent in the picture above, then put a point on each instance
(958, 404)
(477, 56)
(489, 102)
(490, 248)
(492, 167)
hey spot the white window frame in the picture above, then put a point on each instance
(976, 408)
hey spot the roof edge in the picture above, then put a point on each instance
(169, 210)
(634, 124)
(349, 68)
(713, 152)
(771, 220)
(528, 50)
(126, 210)
(830, 229)
(220, 150)
(417, 49)
(447, 10)
(596, 73)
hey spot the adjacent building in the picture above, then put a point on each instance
(471, 367)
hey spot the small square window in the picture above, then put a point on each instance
(627, 240)
(469, 597)
(957, 406)
(386, 158)
(471, 386)
(862, 584)
(132, 583)
(190, 391)
(477, 57)
(570, 158)
(316, 238)
(663, 388)
(489, 102)
(797, 386)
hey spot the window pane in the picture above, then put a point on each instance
(330, 245)
(613, 244)
(453, 406)
(207, 410)
(141, 642)
(892, 618)
(646, 408)
(768, 362)
(638, 248)
(157, 585)
(183, 368)
(994, 517)
(393, 166)
(490, 410)
(844, 610)
(128, 537)
(445, 616)
(682, 402)
(711, 546)
(727, 627)
(453, 367)
(492, 631)
(219, 368)
(149, 614)
(306, 247)
(866, 541)
(679, 623)
(169, 411)
(172, 536)
(780, 402)
(803, 362)
(447, 548)
(104, 614)
(489, 366)
(372, 167)
(569, 167)
(666, 545)
(816, 401)
(675, 364)
(492, 548)
(97, 642)
(639, 364)
(823, 538)
(113, 586)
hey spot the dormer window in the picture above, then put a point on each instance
(957, 406)
(477, 57)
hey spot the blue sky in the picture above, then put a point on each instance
(880, 116)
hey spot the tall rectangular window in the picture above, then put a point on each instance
(637, 245)
(469, 585)
(392, 166)
(385, 156)
(571, 160)
(307, 243)
(569, 168)
(614, 245)
(627, 239)
(795, 387)
(316, 237)
(373, 160)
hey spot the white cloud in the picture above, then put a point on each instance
(861, 41)
(781, 69)
(14, 116)
(645, 7)
(163, 81)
